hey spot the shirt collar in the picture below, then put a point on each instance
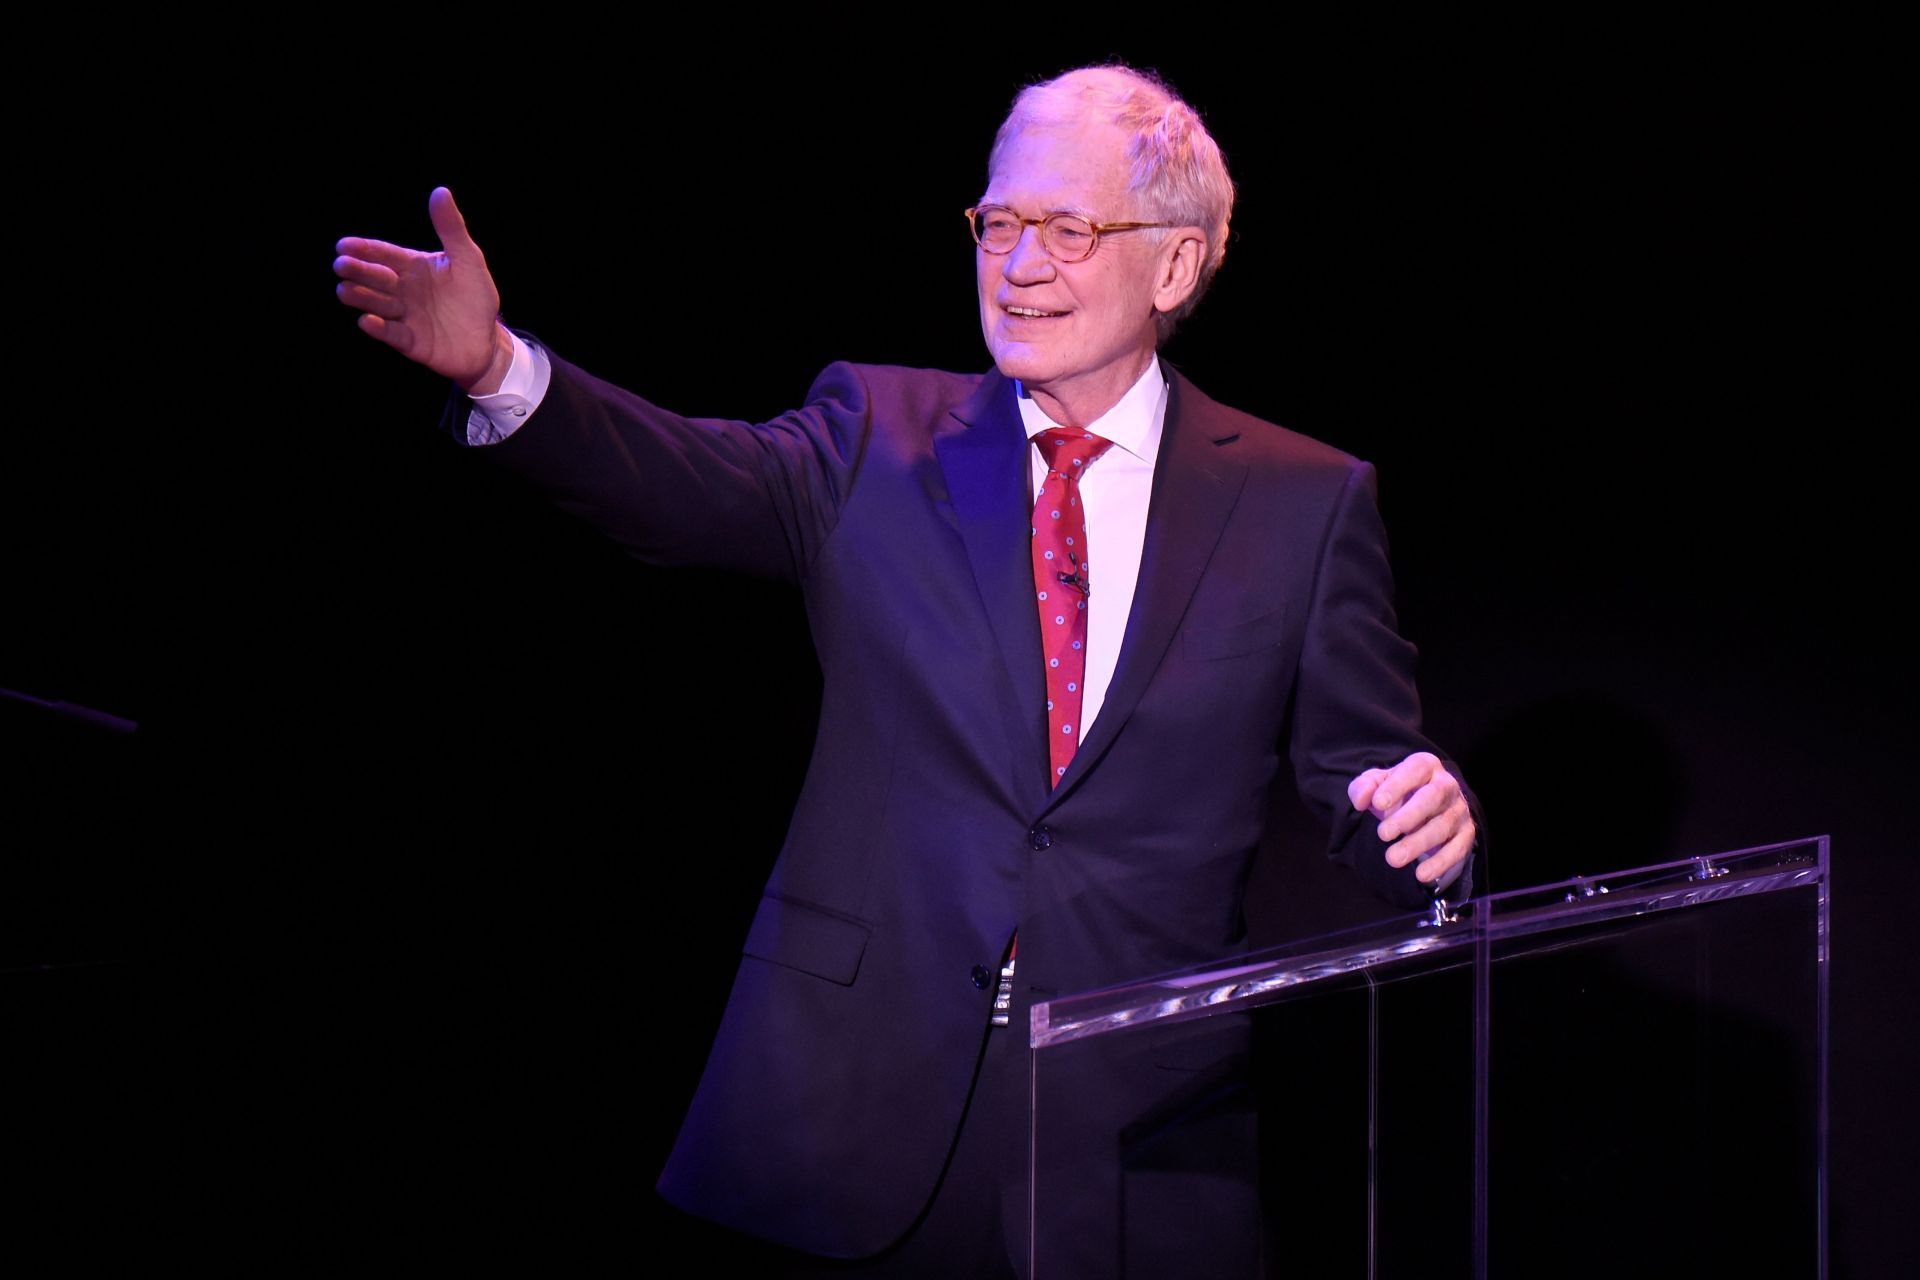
(1134, 424)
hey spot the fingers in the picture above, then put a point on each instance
(395, 335)
(1432, 795)
(372, 274)
(1444, 865)
(1360, 790)
(1430, 835)
(1402, 780)
(1424, 819)
(449, 225)
(394, 257)
(361, 298)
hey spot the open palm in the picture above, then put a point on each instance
(435, 308)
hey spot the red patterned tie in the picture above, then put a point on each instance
(1060, 580)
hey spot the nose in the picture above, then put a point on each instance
(1028, 261)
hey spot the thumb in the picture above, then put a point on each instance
(449, 225)
(1360, 790)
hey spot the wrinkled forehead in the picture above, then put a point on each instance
(1077, 168)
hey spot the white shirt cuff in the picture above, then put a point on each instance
(499, 415)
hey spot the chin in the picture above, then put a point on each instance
(1017, 360)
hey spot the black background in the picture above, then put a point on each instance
(409, 912)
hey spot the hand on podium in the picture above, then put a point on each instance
(1423, 815)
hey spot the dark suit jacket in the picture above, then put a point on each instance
(926, 833)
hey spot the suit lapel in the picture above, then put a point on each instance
(1196, 481)
(983, 457)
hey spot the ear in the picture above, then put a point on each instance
(1180, 256)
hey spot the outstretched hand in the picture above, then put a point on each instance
(1423, 815)
(439, 309)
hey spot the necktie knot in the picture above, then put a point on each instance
(1068, 450)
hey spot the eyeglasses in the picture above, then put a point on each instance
(1067, 237)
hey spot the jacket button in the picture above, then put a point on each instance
(1040, 838)
(982, 976)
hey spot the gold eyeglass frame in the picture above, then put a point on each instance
(1099, 229)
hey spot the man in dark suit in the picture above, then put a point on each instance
(1068, 614)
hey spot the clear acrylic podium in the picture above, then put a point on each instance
(1619, 1075)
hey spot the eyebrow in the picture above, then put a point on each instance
(1078, 211)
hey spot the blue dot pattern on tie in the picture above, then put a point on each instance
(1059, 543)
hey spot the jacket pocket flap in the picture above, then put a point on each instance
(807, 938)
(1250, 636)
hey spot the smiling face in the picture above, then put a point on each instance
(1077, 334)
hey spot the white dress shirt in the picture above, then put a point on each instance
(1116, 489)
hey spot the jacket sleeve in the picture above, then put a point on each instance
(1355, 704)
(758, 498)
